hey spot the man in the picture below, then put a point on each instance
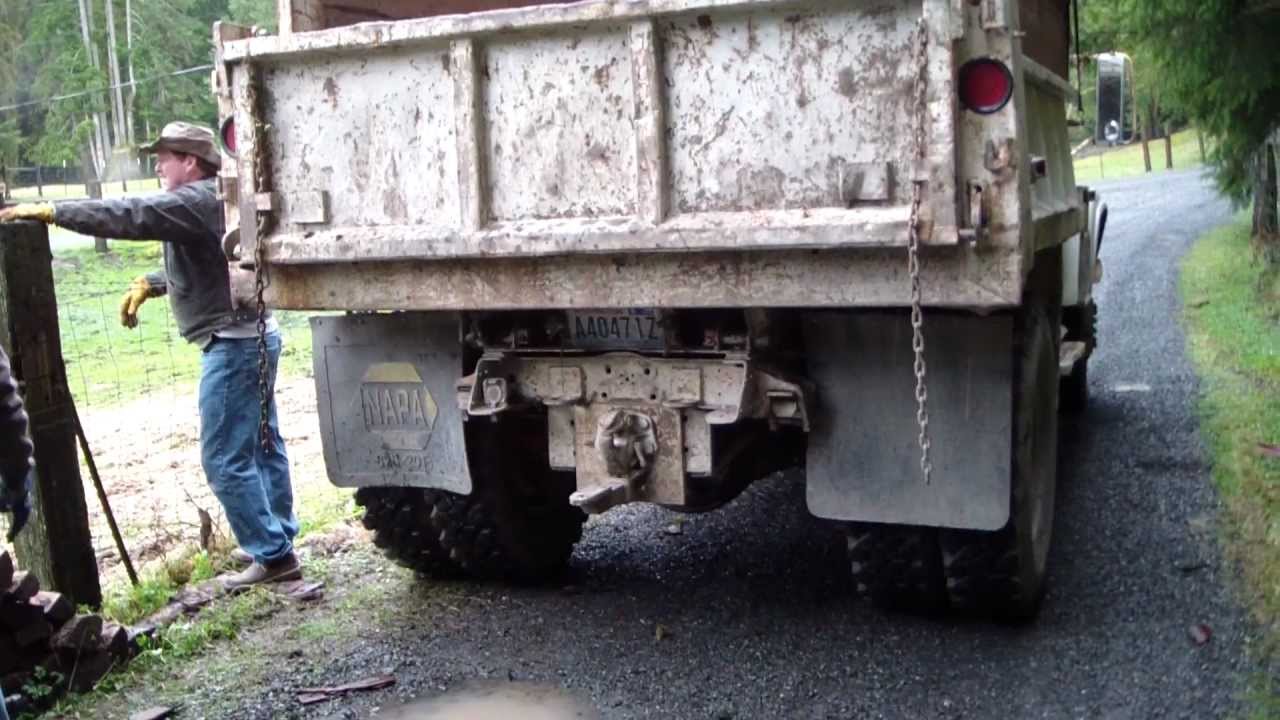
(251, 482)
(16, 457)
(16, 461)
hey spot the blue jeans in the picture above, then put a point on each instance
(4, 714)
(251, 482)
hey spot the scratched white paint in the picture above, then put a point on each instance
(560, 137)
(677, 138)
(374, 130)
(767, 109)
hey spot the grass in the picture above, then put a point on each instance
(1126, 161)
(1232, 317)
(108, 363)
(60, 192)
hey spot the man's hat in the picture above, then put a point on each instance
(186, 138)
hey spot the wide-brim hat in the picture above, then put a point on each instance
(186, 138)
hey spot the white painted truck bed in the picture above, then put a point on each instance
(657, 153)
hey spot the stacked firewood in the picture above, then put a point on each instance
(45, 647)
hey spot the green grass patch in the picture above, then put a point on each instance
(108, 363)
(1126, 161)
(1232, 312)
(58, 191)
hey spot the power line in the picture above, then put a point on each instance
(69, 96)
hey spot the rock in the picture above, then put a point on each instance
(81, 633)
(6, 569)
(23, 588)
(57, 608)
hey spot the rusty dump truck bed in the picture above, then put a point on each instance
(655, 153)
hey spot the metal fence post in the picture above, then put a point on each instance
(57, 545)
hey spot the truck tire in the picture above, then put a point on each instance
(897, 567)
(516, 525)
(400, 519)
(1003, 572)
(1082, 325)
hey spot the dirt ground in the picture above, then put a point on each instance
(148, 454)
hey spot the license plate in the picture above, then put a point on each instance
(631, 329)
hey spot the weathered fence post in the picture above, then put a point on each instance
(57, 545)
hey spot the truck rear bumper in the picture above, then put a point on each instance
(669, 430)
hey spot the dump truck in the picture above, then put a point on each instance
(595, 253)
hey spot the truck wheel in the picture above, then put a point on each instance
(1082, 326)
(1003, 572)
(400, 519)
(898, 567)
(516, 525)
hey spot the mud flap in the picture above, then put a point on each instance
(386, 392)
(863, 458)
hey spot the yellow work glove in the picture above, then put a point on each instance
(139, 291)
(28, 211)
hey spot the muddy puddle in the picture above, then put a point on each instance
(495, 702)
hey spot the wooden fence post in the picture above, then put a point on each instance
(57, 545)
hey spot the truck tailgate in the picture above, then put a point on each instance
(600, 127)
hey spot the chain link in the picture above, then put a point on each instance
(260, 277)
(918, 186)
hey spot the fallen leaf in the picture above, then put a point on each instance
(1200, 633)
(1199, 302)
(660, 633)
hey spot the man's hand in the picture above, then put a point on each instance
(16, 499)
(42, 212)
(139, 291)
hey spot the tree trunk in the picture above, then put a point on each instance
(100, 145)
(1266, 208)
(113, 72)
(131, 93)
(93, 187)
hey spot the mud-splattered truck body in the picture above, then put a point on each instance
(606, 252)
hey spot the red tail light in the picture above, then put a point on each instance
(985, 85)
(227, 136)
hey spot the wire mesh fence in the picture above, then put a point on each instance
(136, 391)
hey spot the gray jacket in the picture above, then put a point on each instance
(15, 445)
(189, 221)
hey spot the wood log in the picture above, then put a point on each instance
(115, 642)
(57, 608)
(8, 653)
(35, 633)
(86, 673)
(25, 585)
(81, 633)
(6, 569)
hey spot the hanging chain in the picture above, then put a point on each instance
(918, 186)
(260, 278)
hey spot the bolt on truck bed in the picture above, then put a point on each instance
(657, 153)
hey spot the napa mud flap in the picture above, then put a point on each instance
(386, 393)
(864, 457)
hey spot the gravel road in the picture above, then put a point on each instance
(753, 606)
